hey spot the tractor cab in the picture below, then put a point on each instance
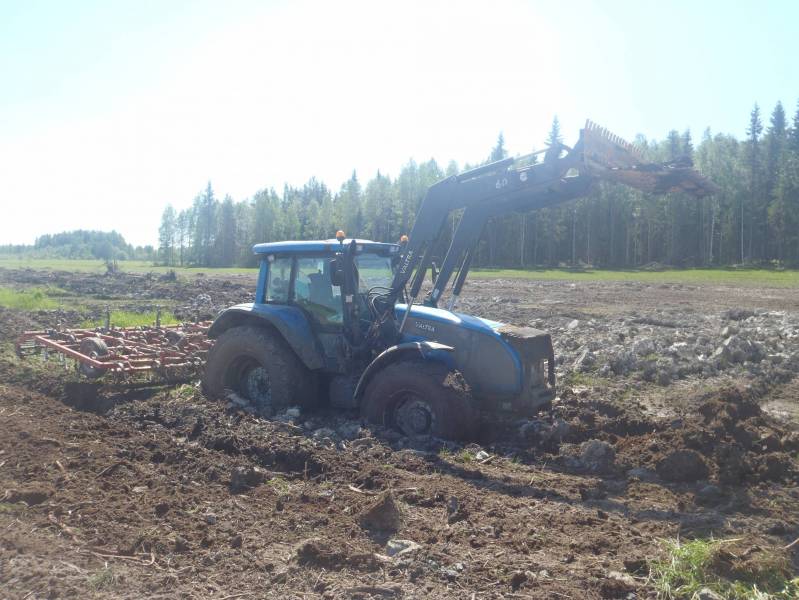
(330, 280)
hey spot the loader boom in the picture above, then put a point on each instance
(522, 184)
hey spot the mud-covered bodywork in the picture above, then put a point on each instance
(507, 367)
(290, 321)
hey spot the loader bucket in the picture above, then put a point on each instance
(609, 157)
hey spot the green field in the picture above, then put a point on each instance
(32, 299)
(98, 266)
(125, 318)
(721, 276)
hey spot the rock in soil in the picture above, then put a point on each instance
(396, 547)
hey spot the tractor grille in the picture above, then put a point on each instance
(533, 347)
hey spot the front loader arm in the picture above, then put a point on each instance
(486, 191)
(513, 185)
(473, 221)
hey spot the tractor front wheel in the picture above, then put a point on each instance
(258, 366)
(421, 399)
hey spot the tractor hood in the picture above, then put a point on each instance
(440, 315)
(496, 357)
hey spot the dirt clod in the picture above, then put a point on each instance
(31, 495)
(455, 510)
(245, 478)
(161, 509)
(517, 579)
(598, 456)
(383, 515)
(683, 465)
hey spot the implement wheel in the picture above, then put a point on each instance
(257, 365)
(421, 399)
(92, 347)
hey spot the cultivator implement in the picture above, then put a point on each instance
(170, 352)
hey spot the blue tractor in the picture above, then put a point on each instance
(342, 319)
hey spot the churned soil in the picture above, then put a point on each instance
(155, 491)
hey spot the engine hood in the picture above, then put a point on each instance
(452, 318)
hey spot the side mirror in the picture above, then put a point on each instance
(336, 272)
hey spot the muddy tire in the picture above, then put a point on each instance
(93, 347)
(421, 399)
(256, 364)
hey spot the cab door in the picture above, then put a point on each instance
(314, 292)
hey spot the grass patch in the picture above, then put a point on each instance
(32, 299)
(98, 266)
(280, 485)
(730, 568)
(103, 579)
(465, 456)
(184, 392)
(125, 318)
(576, 378)
(8, 507)
(728, 276)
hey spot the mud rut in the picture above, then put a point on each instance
(160, 492)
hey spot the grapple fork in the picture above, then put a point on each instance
(609, 157)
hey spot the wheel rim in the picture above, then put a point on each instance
(414, 416)
(256, 385)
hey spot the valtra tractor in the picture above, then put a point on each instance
(343, 319)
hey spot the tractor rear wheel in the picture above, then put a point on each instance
(421, 399)
(258, 366)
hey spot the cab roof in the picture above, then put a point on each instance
(325, 246)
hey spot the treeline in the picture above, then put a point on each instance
(81, 244)
(752, 219)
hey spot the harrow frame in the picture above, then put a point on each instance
(125, 351)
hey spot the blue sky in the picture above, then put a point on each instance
(109, 110)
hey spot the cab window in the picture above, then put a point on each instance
(277, 283)
(374, 271)
(314, 291)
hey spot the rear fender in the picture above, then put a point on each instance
(405, 351)
(289, 321)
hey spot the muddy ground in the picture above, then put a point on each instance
(677, 417)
